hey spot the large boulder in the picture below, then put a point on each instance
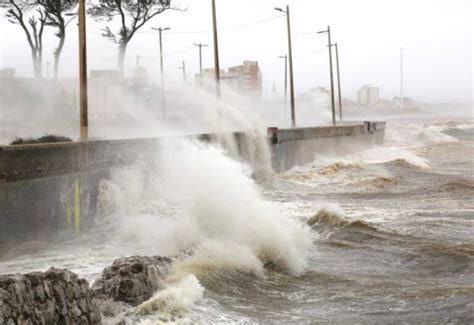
(56, 296)
(132, 280)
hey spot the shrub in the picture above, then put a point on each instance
(48, 138)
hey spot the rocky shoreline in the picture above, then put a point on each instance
(59, 296)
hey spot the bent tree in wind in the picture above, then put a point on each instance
(133, 15)
(55, 11)
(33, 16)
(32, 20)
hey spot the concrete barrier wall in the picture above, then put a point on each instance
(298, 146)
(50, 191)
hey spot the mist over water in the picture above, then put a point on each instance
(118, 111)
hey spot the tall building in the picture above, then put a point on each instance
(245, 79)
(368, 95)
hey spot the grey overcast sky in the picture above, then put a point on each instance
(436, 36)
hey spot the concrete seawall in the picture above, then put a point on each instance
(299, 146)
(50, 191)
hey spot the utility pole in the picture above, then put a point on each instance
(160, 31)
(138, 60)
(217, 71)
(286, 75)
(401, 77)
(183, 67)
(200, 45)
(333, 106)
(338, 83)
(292, 85)
(84, 121)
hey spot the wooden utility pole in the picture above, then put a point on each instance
(333, 105)
(84, 121)
(217, 71)
(338, 83)
(200, 45)
(162, 75)
(138, 59)
(290, 54)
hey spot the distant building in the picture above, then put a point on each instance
(368, 96)
(407, 103)
(315, 92)
(7, 73)
(245, 79)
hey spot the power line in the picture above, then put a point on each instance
(258, 22)
(305, 33)
(253, 23)
(312, 52)
(176, 43)
(174, 53)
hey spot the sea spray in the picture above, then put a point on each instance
(194, 197)
(225, 204)
(251, 148)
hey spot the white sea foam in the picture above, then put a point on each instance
(377, 155)
(221, 256)
(415, 134)
(175, 300)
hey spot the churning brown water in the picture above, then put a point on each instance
(381, 236)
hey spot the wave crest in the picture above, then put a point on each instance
(338, 166)
(335, 219)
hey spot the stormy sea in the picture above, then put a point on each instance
(383, 235)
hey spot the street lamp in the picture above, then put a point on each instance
(290, 54)
(338, 83)
(333, 107)
(285, 57)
